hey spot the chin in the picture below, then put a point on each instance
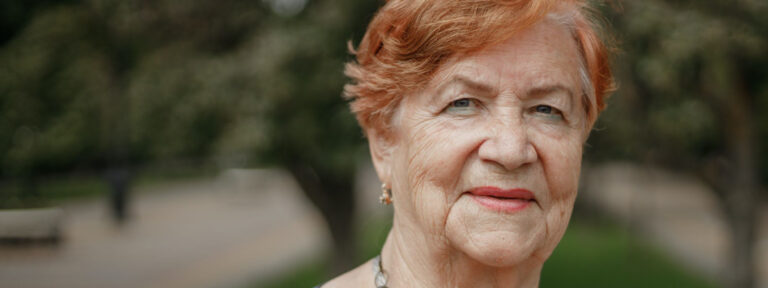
(501, 249)
(498, 240)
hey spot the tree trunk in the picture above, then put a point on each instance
(334, 196)
(741, 200)
(736, 182)
(742, 197)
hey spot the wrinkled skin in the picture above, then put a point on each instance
(509, 116)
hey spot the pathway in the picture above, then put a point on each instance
(222, 232)
(673, 210)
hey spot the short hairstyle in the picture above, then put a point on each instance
(408, 40)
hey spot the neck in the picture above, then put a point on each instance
(419, 260)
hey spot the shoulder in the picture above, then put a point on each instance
(362, 276)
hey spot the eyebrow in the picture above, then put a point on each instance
(536, 91)
(544, 90)
(548, 89)
(464, 81)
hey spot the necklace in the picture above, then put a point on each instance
(379, 276)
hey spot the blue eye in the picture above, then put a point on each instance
(544, 109)
(464, 102)
(547, 111)
(463, 106)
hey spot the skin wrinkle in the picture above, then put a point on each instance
(422, 129)
(570, 15)
(588, 97)
(556, 198)
(441, 237)
(503, 122)
(407, 265)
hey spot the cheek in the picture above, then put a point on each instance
(431, 163)
(436, 150)
(561, 160)
(427, 158)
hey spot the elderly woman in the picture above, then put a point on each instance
(476, 112)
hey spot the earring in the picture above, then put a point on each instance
(386, 195)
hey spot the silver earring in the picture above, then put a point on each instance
(386, 195)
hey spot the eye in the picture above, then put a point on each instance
(548, 111)
(463, 106)
(464, 102)
(544, 109)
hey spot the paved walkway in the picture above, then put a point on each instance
(223, 232)
(675, 211)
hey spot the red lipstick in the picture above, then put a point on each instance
(503, 200)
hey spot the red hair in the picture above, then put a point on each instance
(408, 40)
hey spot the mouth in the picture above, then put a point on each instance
(503, 200)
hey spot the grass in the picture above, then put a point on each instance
(51, 192)
(591, 254)
(602, 255)
(54, 190)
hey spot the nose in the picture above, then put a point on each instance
(508, 145)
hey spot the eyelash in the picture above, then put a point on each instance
(468, 102)
(553, 112)
(544, 106)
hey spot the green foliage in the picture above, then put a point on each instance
(50, 191)
(86, 83)
(49, 88)
(679, 65)
(308, 275)
(309, 121)
(599, 255)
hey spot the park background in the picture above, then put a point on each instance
(168, 143)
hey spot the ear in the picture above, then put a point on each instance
(382, 147)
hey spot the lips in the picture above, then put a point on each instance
(503, 200)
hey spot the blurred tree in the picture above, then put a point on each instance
(111, 86)
(693, 80)
(66, 77)
(312, 131)
(14, 15)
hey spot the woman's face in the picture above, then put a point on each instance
(485, 160)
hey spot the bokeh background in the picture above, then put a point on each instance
(168, 143)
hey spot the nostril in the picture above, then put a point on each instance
(508, 151)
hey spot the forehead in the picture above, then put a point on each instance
(546, 52)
